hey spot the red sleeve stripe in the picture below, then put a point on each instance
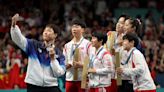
(88, 48)
(105, 53)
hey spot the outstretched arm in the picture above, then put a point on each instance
(16, 34)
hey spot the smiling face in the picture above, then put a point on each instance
(48, 34)
(128, 26)
(95, 42)
(127, 45)
(120, 24)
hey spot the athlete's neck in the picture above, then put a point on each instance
(77, 39)
(98, 47)
(130, 49)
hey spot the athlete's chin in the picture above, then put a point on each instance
(75, 35)
(93, 44)
(45, 39)
(124, 48)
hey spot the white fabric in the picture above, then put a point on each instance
(85, 48)
(140, 75)
(102, 62)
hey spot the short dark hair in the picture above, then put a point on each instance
(55, 28)
(132, 37)
(124, 16)
(100, 36)
(77, 21)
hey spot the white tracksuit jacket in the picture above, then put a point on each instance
(102, 62)
(41, 71)
(139, 71)
(85, 48)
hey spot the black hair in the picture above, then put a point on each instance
(136, 23)
(132, 37)
(124, 16)
(100, 36)
(77, 21)
(55, 28)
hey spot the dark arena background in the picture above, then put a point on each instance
(99, 15)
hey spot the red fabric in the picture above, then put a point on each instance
(133, 65)
(109, 33)
(107, 52)
(113, 85)
(108, 89)
(2, 85)
(145, 90)
(14, 76)
(153, 74)
(74, 86)
(22, 84)
(3, 29)
(19, 56)
(88, 48)
(6, 82)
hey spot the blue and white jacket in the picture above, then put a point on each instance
(41, 71)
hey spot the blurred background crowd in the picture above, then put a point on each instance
(99, 15)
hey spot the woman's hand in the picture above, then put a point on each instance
(91, 70)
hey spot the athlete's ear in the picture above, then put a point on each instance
(55, 35)
(132, 42)
(83, 30)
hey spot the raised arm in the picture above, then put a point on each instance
(16, 34)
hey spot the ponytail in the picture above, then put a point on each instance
(136, 23)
